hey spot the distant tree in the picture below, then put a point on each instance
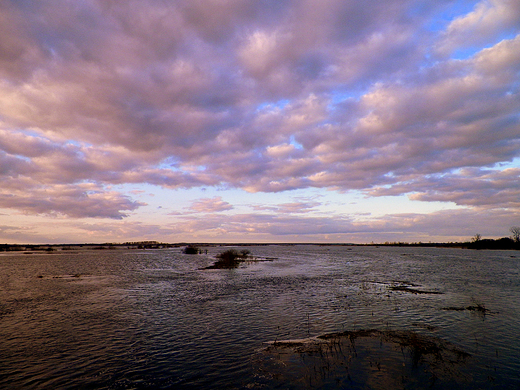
(476, 238)
(516, 233)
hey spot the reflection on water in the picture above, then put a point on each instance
(156, 319)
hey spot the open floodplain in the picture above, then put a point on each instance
(304, 316)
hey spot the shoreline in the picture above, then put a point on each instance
(490, 244)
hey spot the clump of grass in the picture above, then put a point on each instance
(230, 259)
(412, 290)
(477, 307)
(350, 354)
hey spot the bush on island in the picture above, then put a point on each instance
(191, 250)
(229, 259)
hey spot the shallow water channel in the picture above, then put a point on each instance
(311, 317)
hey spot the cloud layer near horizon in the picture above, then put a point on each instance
(400, 98)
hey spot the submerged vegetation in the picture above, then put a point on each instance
(383, 359)
(478, 308)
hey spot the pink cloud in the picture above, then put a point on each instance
(210, 205)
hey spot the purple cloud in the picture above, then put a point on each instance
(82, 201)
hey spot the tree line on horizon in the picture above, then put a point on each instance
(476, 242)
(512, 242)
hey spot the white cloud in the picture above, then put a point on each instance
(488, 19)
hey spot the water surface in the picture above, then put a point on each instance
(134, 319)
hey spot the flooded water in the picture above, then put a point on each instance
(314, 317)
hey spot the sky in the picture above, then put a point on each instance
(338, 121)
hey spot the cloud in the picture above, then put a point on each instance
(260, 96)
(411, 227)
(210, 205)
(297, 207)
(476, 188)
(487, 20)
(79, 201)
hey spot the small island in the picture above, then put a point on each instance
(230, 258)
